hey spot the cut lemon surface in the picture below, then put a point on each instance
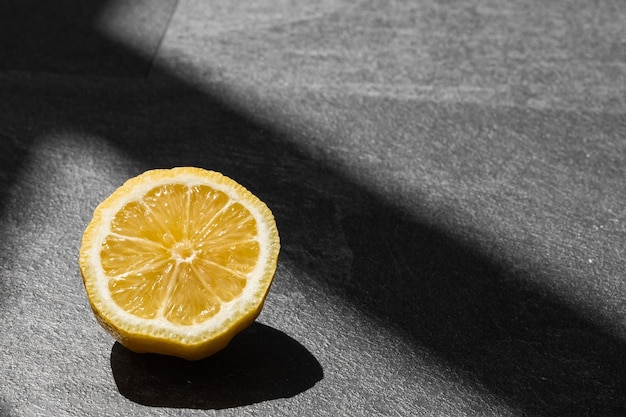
(177, 261)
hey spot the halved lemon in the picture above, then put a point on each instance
(177, 261)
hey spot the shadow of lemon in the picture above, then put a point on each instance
(260, 364)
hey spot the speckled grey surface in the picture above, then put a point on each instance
(448, 179)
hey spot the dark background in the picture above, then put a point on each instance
(447, 178)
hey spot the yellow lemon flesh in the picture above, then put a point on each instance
(177, 261)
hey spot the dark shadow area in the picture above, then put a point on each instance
(12, 153)
(260, 364)
(490, 322)
(59, 37)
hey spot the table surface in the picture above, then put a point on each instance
(448, 180)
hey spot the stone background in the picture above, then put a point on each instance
(448, 179)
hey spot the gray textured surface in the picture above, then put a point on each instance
(448, 180)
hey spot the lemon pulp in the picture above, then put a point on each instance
(178, 253)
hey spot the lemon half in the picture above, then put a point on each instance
(177, 261)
